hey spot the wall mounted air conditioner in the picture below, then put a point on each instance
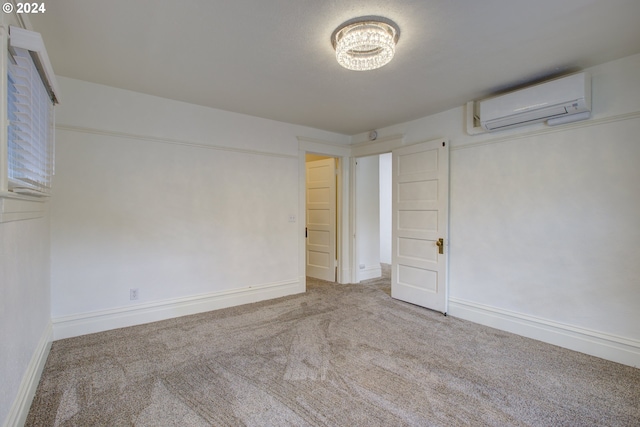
(559, 101)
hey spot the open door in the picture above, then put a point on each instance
(321, 219)
(420, 224)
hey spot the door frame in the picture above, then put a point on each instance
(365, 149)
(342, 153)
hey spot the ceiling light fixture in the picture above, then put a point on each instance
(365, 43)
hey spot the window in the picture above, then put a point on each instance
(26, 124)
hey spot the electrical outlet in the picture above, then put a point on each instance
(292, 218)
(133, 293)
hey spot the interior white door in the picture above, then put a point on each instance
(321, 219)
(420, 219)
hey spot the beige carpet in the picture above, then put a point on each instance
(339, 355)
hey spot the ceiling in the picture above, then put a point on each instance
(274, 59)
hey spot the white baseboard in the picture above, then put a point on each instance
(104, 320)
(20, 408)
(606, 346)
(345, 276)
(371, 272)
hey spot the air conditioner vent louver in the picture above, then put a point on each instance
(565, 97)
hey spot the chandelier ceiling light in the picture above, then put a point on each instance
(365, 43)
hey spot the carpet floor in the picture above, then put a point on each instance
(339, 355)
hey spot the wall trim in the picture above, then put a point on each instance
(379, 146)
(326, 148)
(599, 344)
(548, 130)
(22, 403)
(172, 141)
(14, 207)
(122, 317)
(378, 141)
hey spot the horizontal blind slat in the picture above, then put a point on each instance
(30, 113)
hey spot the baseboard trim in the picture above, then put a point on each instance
(371, 272)
(606, 346)
(22, 403)
(104, 320)
(345, 276)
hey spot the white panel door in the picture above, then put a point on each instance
(420, 220)
(321, 219)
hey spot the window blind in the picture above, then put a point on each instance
(31, 127)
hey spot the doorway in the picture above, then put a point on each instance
(420, 190)
(373, 216)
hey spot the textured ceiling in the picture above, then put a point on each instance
(274, 59)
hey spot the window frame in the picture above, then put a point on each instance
(13, 206)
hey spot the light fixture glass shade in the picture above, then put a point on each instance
(365, 44)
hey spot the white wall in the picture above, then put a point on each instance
(25, 309)
(188, 204)
(25, 313)
(367, 223)
(385, 208)
(545, 222)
